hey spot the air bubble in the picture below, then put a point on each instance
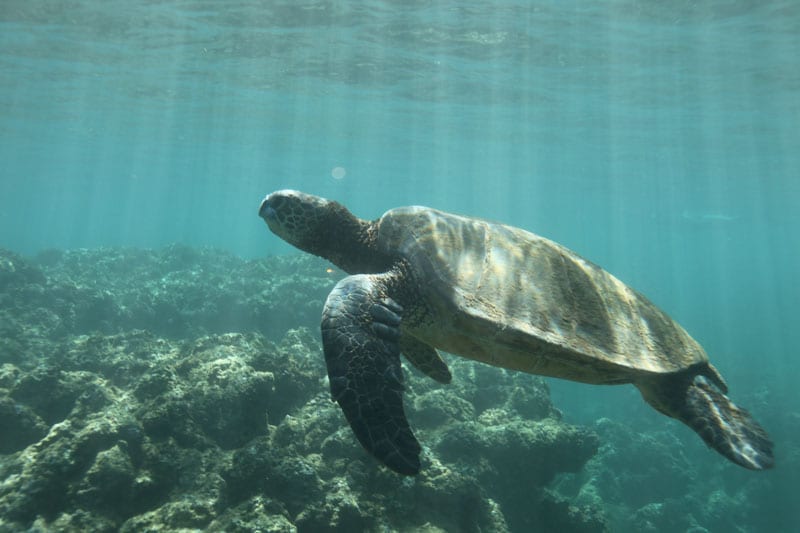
(338, 173)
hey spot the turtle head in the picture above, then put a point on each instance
(296, 217)
(315, 225)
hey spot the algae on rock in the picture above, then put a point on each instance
(139, 391)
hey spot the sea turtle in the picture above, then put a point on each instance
(422, 279)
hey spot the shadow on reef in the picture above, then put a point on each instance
(139, 391)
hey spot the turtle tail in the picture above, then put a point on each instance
(695, 400)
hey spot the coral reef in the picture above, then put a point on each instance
(185, 389)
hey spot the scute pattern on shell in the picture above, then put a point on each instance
(514, 299)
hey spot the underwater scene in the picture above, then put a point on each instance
(209, 323)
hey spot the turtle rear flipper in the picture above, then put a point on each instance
(725, 427)
(360, 338)
(425, 358)
(696, 401)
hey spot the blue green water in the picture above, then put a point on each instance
(658, 139)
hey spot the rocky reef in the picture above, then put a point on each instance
(184, 389)
(660, 479)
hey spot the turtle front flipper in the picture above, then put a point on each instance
(425, 358)
(360, 337)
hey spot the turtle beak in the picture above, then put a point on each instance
(266, 211)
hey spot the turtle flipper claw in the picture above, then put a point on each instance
(360, 337)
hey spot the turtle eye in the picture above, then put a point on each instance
(269, 207)
(277, 202)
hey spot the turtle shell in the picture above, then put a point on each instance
(508, 297)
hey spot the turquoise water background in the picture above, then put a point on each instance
(660, 140)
